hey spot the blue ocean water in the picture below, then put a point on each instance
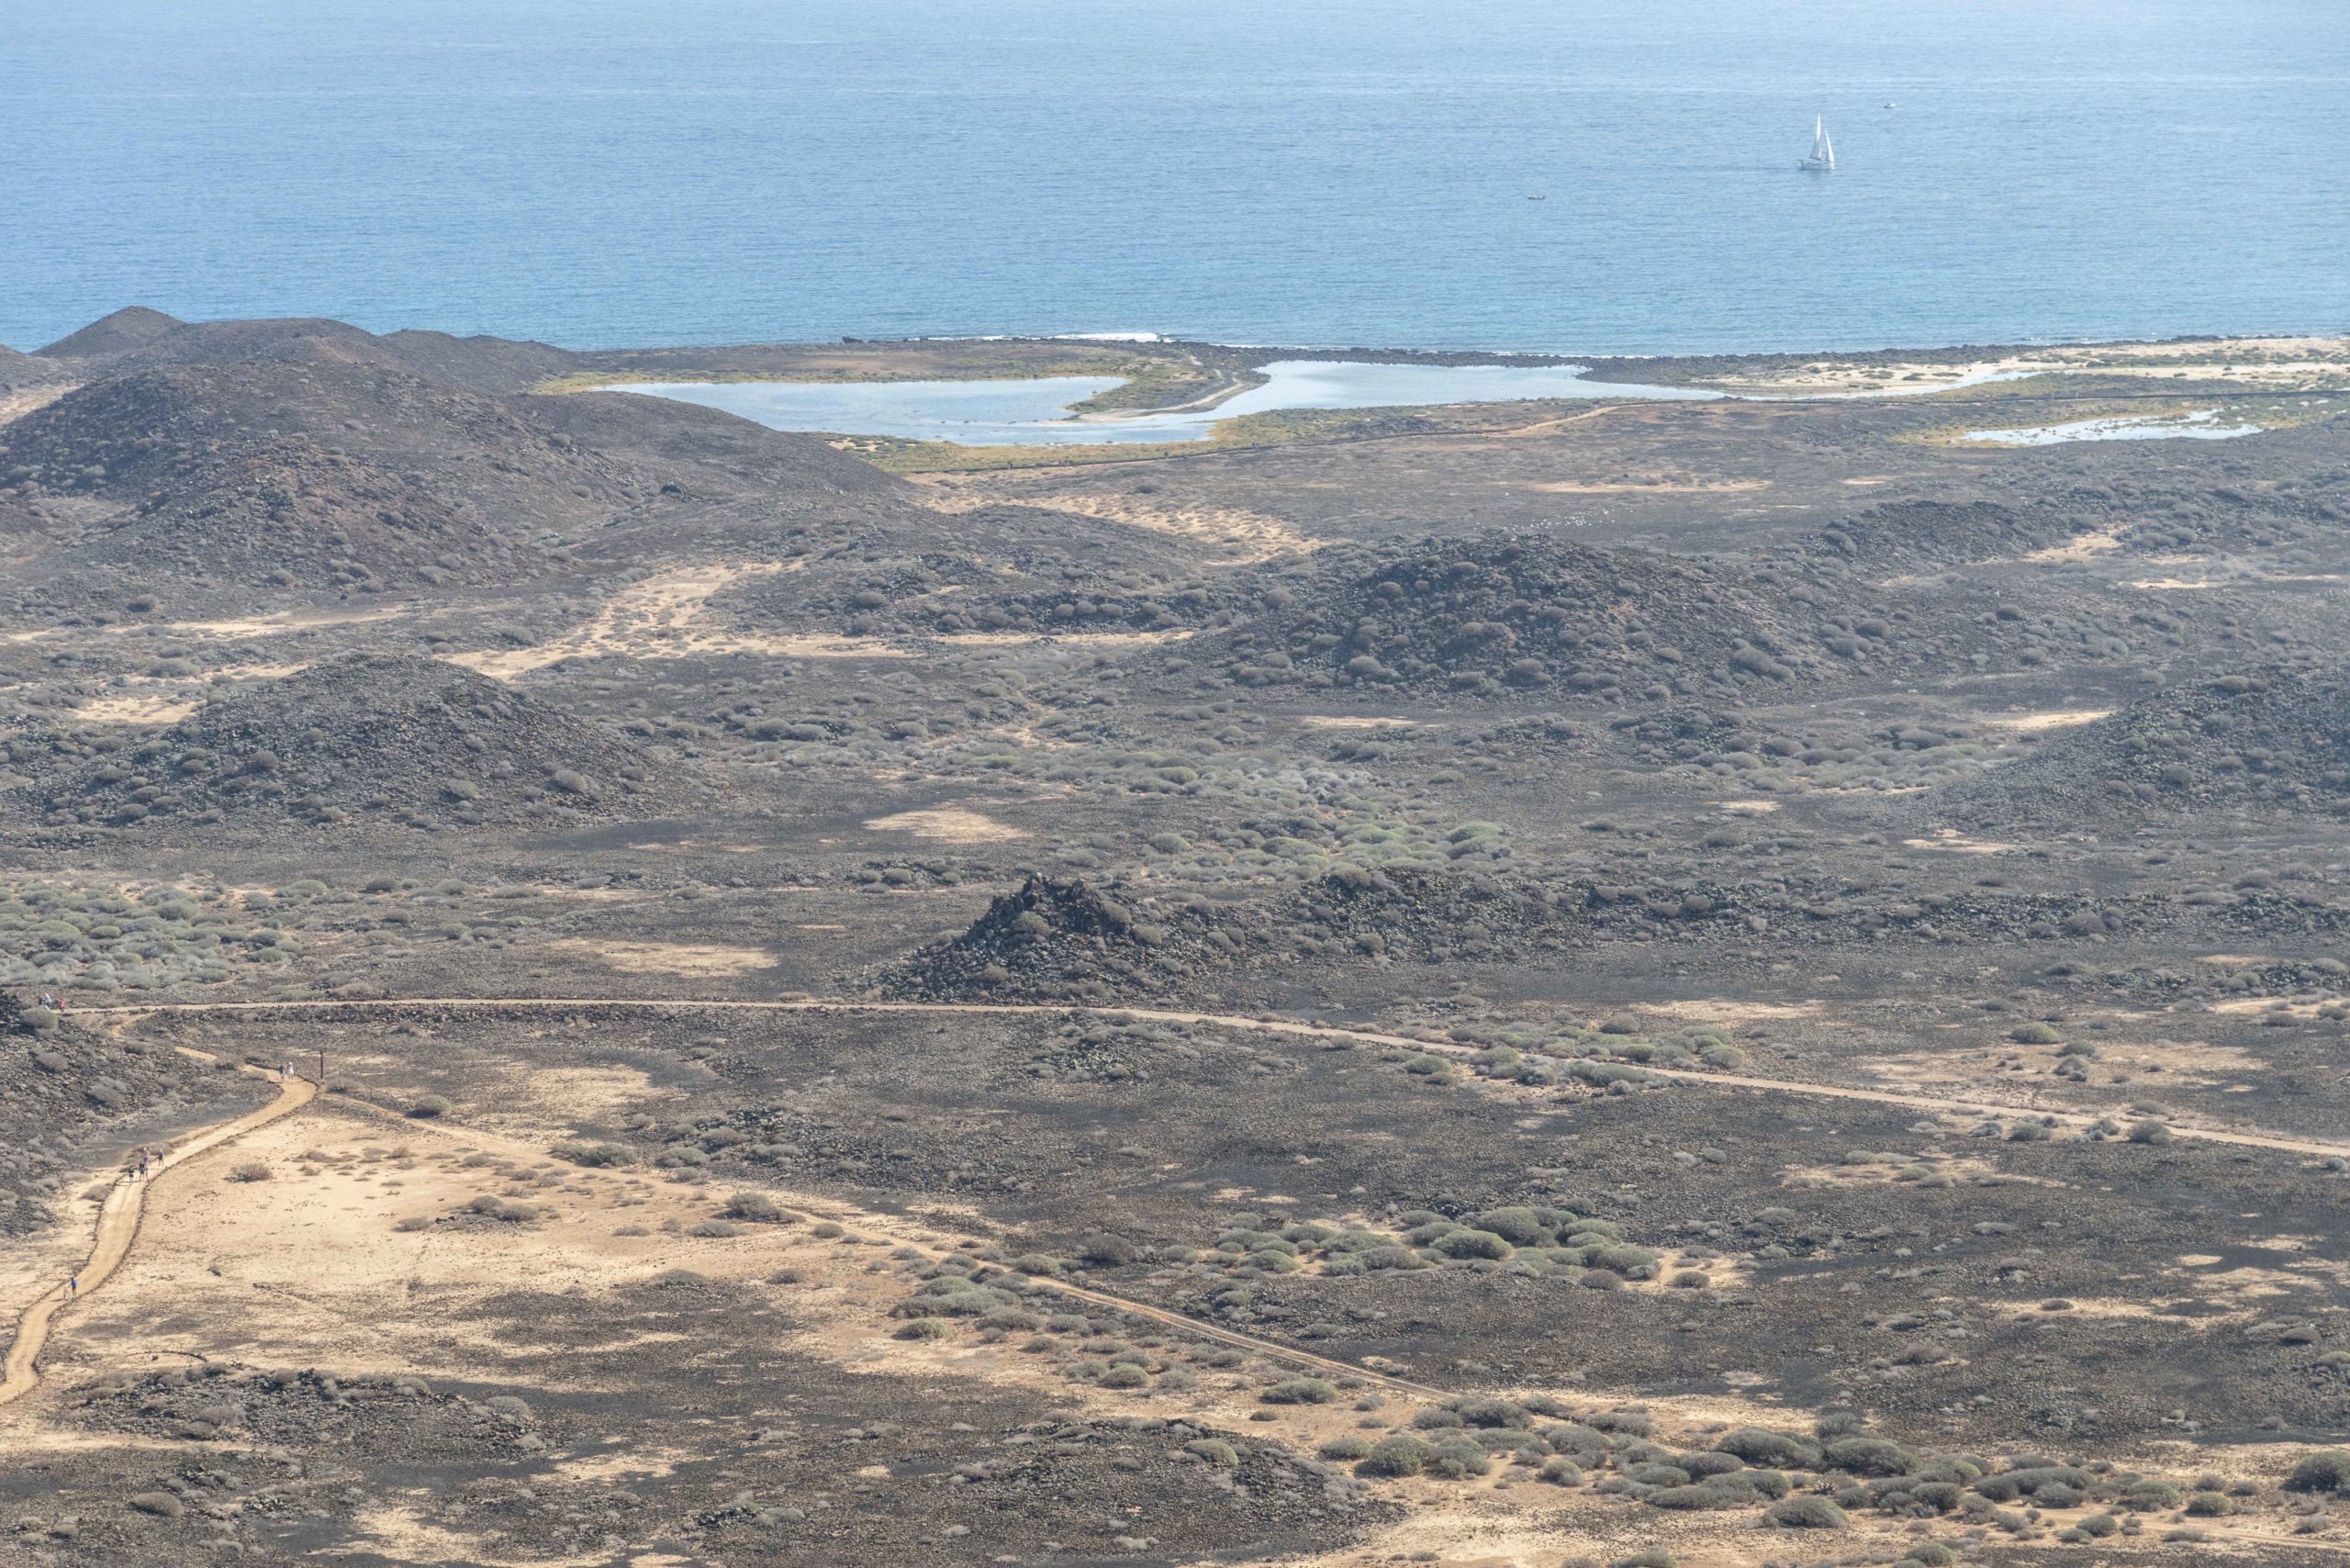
(1326, 171)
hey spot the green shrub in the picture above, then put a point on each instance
(925, 1328)
(1654, 1557)
(1561, 1471)
(2209, 1505)
(1457, 1458)
(1868, 1456)
(1399, 1258)
(2034, 1034)
(1519, 1226)
(1215, 1450)
(1620, 1257)
(430, 1106)
(1760, 1445)
(1493, 1413)
(756, 1207)
(596, 1154)
(2328, 1470)
(1397, 1454)
(1300, 1390)
(2150, 1496)
(1809, 1511)
(1124, 1374)
(2149, 1131)
(1345, 1449)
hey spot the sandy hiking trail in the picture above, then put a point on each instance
(1968, 1104)
(119, 1220)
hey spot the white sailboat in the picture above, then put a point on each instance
(1823, 151)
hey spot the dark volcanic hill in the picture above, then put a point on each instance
(28, 370)
(997, 569)
(1063, 937)
(314, 476)
(334, 469)
(377, 738)
(2274, 739)
(132, 327)
(140, 339)
(1497, 616)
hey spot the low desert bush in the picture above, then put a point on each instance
(1300, 1390)
(1397, 1454)
(1809, 1511)
(596, 1154)
(2328, 1470)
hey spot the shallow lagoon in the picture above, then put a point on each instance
(1036, 412)
(2201, 425)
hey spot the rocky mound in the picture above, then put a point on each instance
(1054, 938)
(2275, 739)
(137, 338)
(372, 738)
(703, 449)
(132, 327)
(22, 370)
(1007, 569)
(1504, 617)
(309, 475)
(57, 1084)
(1945, 533)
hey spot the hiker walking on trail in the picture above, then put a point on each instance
(73, 1286)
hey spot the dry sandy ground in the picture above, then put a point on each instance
(17, 404)
(312, 1267)
(2289, 364)
(1237, 535)
(668, 616)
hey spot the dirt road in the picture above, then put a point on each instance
(1968, 1105)
(118, 1219)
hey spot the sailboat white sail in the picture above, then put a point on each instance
(1823, 151)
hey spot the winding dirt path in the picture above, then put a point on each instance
(1940, 1106)
(119, 1220)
